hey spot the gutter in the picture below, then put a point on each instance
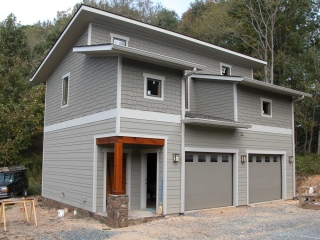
(298, 99)
(182, 154)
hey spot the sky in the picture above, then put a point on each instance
(29, 12)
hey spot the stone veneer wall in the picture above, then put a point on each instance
(117, 210)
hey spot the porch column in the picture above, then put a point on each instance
(117, 180)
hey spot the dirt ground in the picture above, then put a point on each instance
(307, 181)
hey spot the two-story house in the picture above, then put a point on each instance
(132, 109)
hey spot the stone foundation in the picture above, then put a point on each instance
(117, 210)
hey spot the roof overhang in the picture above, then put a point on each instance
(138, 54)
(85, 15)
(273, 88)
(214, 123)
(217, 77)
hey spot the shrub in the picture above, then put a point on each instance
(307, 165)
(34, 188)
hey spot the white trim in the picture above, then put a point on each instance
(128, 175)
(165, 176)
(82, 120)
(149, 116)
(217, 150)
(67, 75)
(44, 135)
(235, 182)
(217, 77)
(146, 76)
(182, 153)
(251, 73)
(283, 169)
(212, 122)
(225, 65)
(98, 48)
(270, 102)
(113, 35)
(119, 80)
(293, 151)
(268, 129)
(130, 135)
(94, 177)
(235, 102)
(89, 33)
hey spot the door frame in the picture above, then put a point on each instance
(143, 187)
(128, 175)
(283, 155)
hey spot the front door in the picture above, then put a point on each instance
(110, 172)
(151, 180)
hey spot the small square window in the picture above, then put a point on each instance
(225, 158)
(258, 158)
(153, 86)
(201, 158)
(213, 158)
(266, 107)
(188, 158)
(267, 159)
(119, 40)
(275, 159)
(250, 158)
(225, 69)
(65, 90)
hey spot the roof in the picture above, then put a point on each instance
(115, 50)
(253, 83)
(86, 15)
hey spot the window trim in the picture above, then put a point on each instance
(113, 35)
(147, 76)
(225, 65)
(262, 113)
(62, 85)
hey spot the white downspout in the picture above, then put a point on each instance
(182, 154)
(293, 146)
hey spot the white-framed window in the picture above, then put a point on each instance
(65, 90)
(225, 69)
(119, 40)
(153, 86)
(266, 107)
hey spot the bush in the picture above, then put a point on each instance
(307, 165)
(34, 188)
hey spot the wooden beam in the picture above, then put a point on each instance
(130, 140)
(117, 181)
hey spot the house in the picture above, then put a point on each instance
(148, 117)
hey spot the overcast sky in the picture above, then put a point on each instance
(30, 11)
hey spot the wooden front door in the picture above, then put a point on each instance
(110, 172)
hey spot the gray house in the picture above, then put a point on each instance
(135, 110)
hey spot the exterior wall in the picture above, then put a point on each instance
(101, 35)
(212, 98)
(92, 86)
(132, 91)
(205, 137)
(172, 131)
(249, 108)
(68, 164)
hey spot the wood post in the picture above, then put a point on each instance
(117, 181)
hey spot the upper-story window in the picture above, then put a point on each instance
(65, 89)
(153, 86)
(119, 40)
(225, 69)
(266, 107)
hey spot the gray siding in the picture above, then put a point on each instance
(249, 108)
(172, 131)
(132, 92)
(68, 164)
(205, 137)
(101, 35)
(212, 98)
(92, 86)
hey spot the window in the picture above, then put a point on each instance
(119, 40)
(258, 158)
(275, 159)
(65, 90)
(201, 158)
(188, 158)
(250, 158)
(225, 158)
(267, 159)
(225, 69)
(213, 158)
(153, 86)
(266, 107)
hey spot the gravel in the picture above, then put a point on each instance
(82, 234)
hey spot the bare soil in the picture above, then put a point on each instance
(302, 181)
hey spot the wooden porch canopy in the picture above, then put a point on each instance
(118, 142)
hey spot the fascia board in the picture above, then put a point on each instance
(206, 122)
(218, 77)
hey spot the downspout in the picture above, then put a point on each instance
(182, 162)
(293, 146)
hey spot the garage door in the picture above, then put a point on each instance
(264, 178)
(208, 180)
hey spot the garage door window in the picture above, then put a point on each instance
(189, 158)
(267, 159)
(201, 158)
(250, 158)
(275, 159)
(258, 158)
(225, 158)
(213, 158)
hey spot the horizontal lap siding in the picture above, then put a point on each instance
(172, 130)
(206, 137)
(68, 164)
(101, 35)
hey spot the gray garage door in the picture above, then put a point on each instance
(208, 180)
(264, 178)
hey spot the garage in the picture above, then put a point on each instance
(208, 180)
(264, 178)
